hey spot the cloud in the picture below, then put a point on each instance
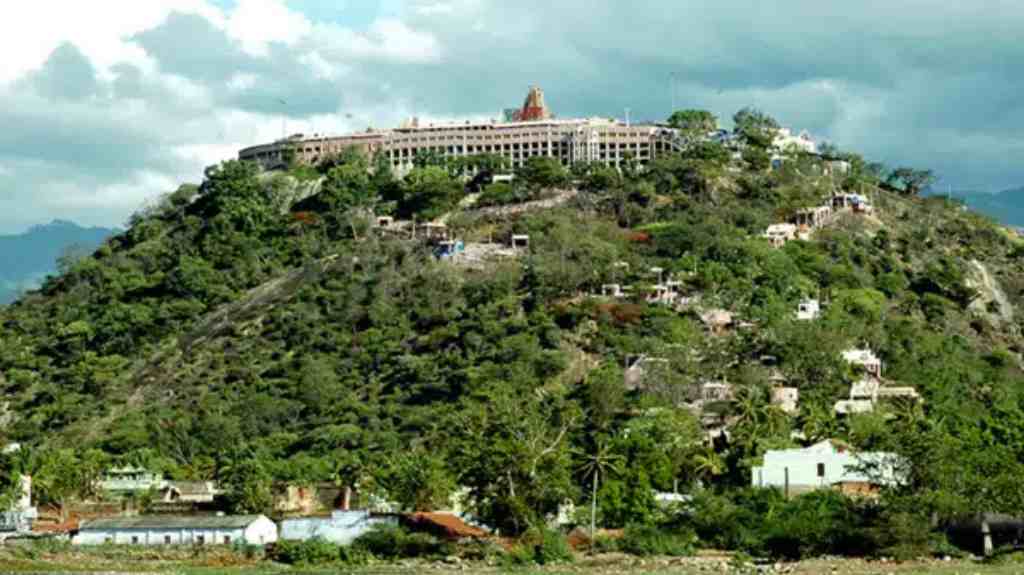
(102, 113)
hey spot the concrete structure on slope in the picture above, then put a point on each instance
(532, 132)
(824, 465)
(130, 479)
(170, 530)
(341, 528)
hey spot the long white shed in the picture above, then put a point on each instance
(178, 530)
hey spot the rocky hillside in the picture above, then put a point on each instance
(264, 327)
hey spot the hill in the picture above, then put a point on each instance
(31, 256)
(1006, 207)
(263, 328)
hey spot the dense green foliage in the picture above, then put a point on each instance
(254, 329)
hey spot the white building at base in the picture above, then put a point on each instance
(341, 528)
(826, 464)
(176, 530)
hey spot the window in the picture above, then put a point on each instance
(167, 539)
(821, 470)
(227, 540)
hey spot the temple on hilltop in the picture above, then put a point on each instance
(533, 108)
(522, 133)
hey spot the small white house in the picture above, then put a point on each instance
(808, 309)
(178, 530)
(826, 464)
(786, 398)
(341, 528)
(865, 358)
(779, 234)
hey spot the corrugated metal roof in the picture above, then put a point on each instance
(171, 522)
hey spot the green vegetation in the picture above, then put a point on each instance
(254, 329)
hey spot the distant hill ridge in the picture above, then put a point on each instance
(1007, 206)
(30, 256)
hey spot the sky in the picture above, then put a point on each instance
(108, 104)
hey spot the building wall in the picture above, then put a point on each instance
(341, 528)
(570, 141)
(802, 466)
(261, 531)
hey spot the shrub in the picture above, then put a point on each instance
(552, 548)
(647, 540)
(500, 194)
(902, 536)
(541, 547)
(314, 551)
(605, 544)
(819, 523)
(393, 542)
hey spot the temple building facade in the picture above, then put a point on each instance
(527, 132)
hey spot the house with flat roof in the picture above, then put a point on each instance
(128, 479)
(178, 530)
(828, 464)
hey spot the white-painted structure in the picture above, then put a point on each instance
(779, 234)
(868, 390)
(822, 465)
(787, 141)
(341, 528)
(865, 358)
(638, 368)
(172, 530)
(130, 479)
(712, 391)
(808, 309)
(786, 398)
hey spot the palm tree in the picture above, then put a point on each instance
(601, 461)
(707, 463)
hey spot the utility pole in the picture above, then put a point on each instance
(672, 88)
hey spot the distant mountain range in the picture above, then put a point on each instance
(1007, 207)
(27, 258)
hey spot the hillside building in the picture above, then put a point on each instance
(828, 464)
(808, 309)
(870, 388)
(130, 479)
(531, 131)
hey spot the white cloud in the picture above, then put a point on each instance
(257, 23)
(387, 39)
(242, 82)
(30, 31)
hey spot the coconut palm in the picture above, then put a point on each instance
(601, 461)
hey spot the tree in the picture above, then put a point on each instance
(543, 172)
(428, 193)
(910, 180)
(756, 128)
(247, 485)
(514, 454)
(693, 125)
(65, 475)
(600, 461)
(419, 480)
